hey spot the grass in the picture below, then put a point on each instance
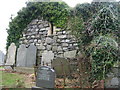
(11, 80)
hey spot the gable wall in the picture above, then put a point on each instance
(61, 44)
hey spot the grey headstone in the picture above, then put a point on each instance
(11, 54)
(45, 77)
(21, 55)
(115, 81)
(47, 56)
(31, 56)
(70, 54)
(61, 66)
(1, 58)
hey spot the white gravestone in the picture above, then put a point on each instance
(47, 56)
(11, 55)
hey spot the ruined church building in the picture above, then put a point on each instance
(48, 44)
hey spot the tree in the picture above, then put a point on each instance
(54, 12)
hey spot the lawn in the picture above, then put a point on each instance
(11, 80)
(15, 80)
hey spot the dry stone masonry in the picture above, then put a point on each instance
(49, 47)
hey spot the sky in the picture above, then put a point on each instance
(11, 7)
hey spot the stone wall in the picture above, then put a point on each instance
(60, 44)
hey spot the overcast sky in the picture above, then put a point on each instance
(11, 7)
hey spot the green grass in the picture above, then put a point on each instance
(11, 80)
(1, 67)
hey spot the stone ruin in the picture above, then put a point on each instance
(38, 46)
(48, 46)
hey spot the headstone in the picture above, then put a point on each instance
(115, 81)
(45, 77)
(31, 56)
(70, 54)
(1, 58)
(47, 56)
(11, 54)
(61, 66)
(21, 55)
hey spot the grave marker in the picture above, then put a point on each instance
(45, 77)
(21, 55)
(11, 54)
(31, 56)
(47, 56)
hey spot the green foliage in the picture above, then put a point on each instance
(75, 24)
(105, 22)
(98, 36)
(56, 13)
(104, 53)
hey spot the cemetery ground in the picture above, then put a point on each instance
(12, 79)
(16, 80)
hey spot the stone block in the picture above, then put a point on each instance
(54, 48)
(49, 47)
(42, 47)
(64, 44)
(49, 40)
(59, 48)
(62, 36)
(70, 54)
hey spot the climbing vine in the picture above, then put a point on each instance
(98, 37)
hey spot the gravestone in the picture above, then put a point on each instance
(61, 66)
(11, 54)
(47, 56)
(21, 55)
(45, 77)
(31, 56)
(1, 58)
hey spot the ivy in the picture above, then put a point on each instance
(97, 35)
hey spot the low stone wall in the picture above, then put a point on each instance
(60, 44)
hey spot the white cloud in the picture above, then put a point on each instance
(72, 3)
